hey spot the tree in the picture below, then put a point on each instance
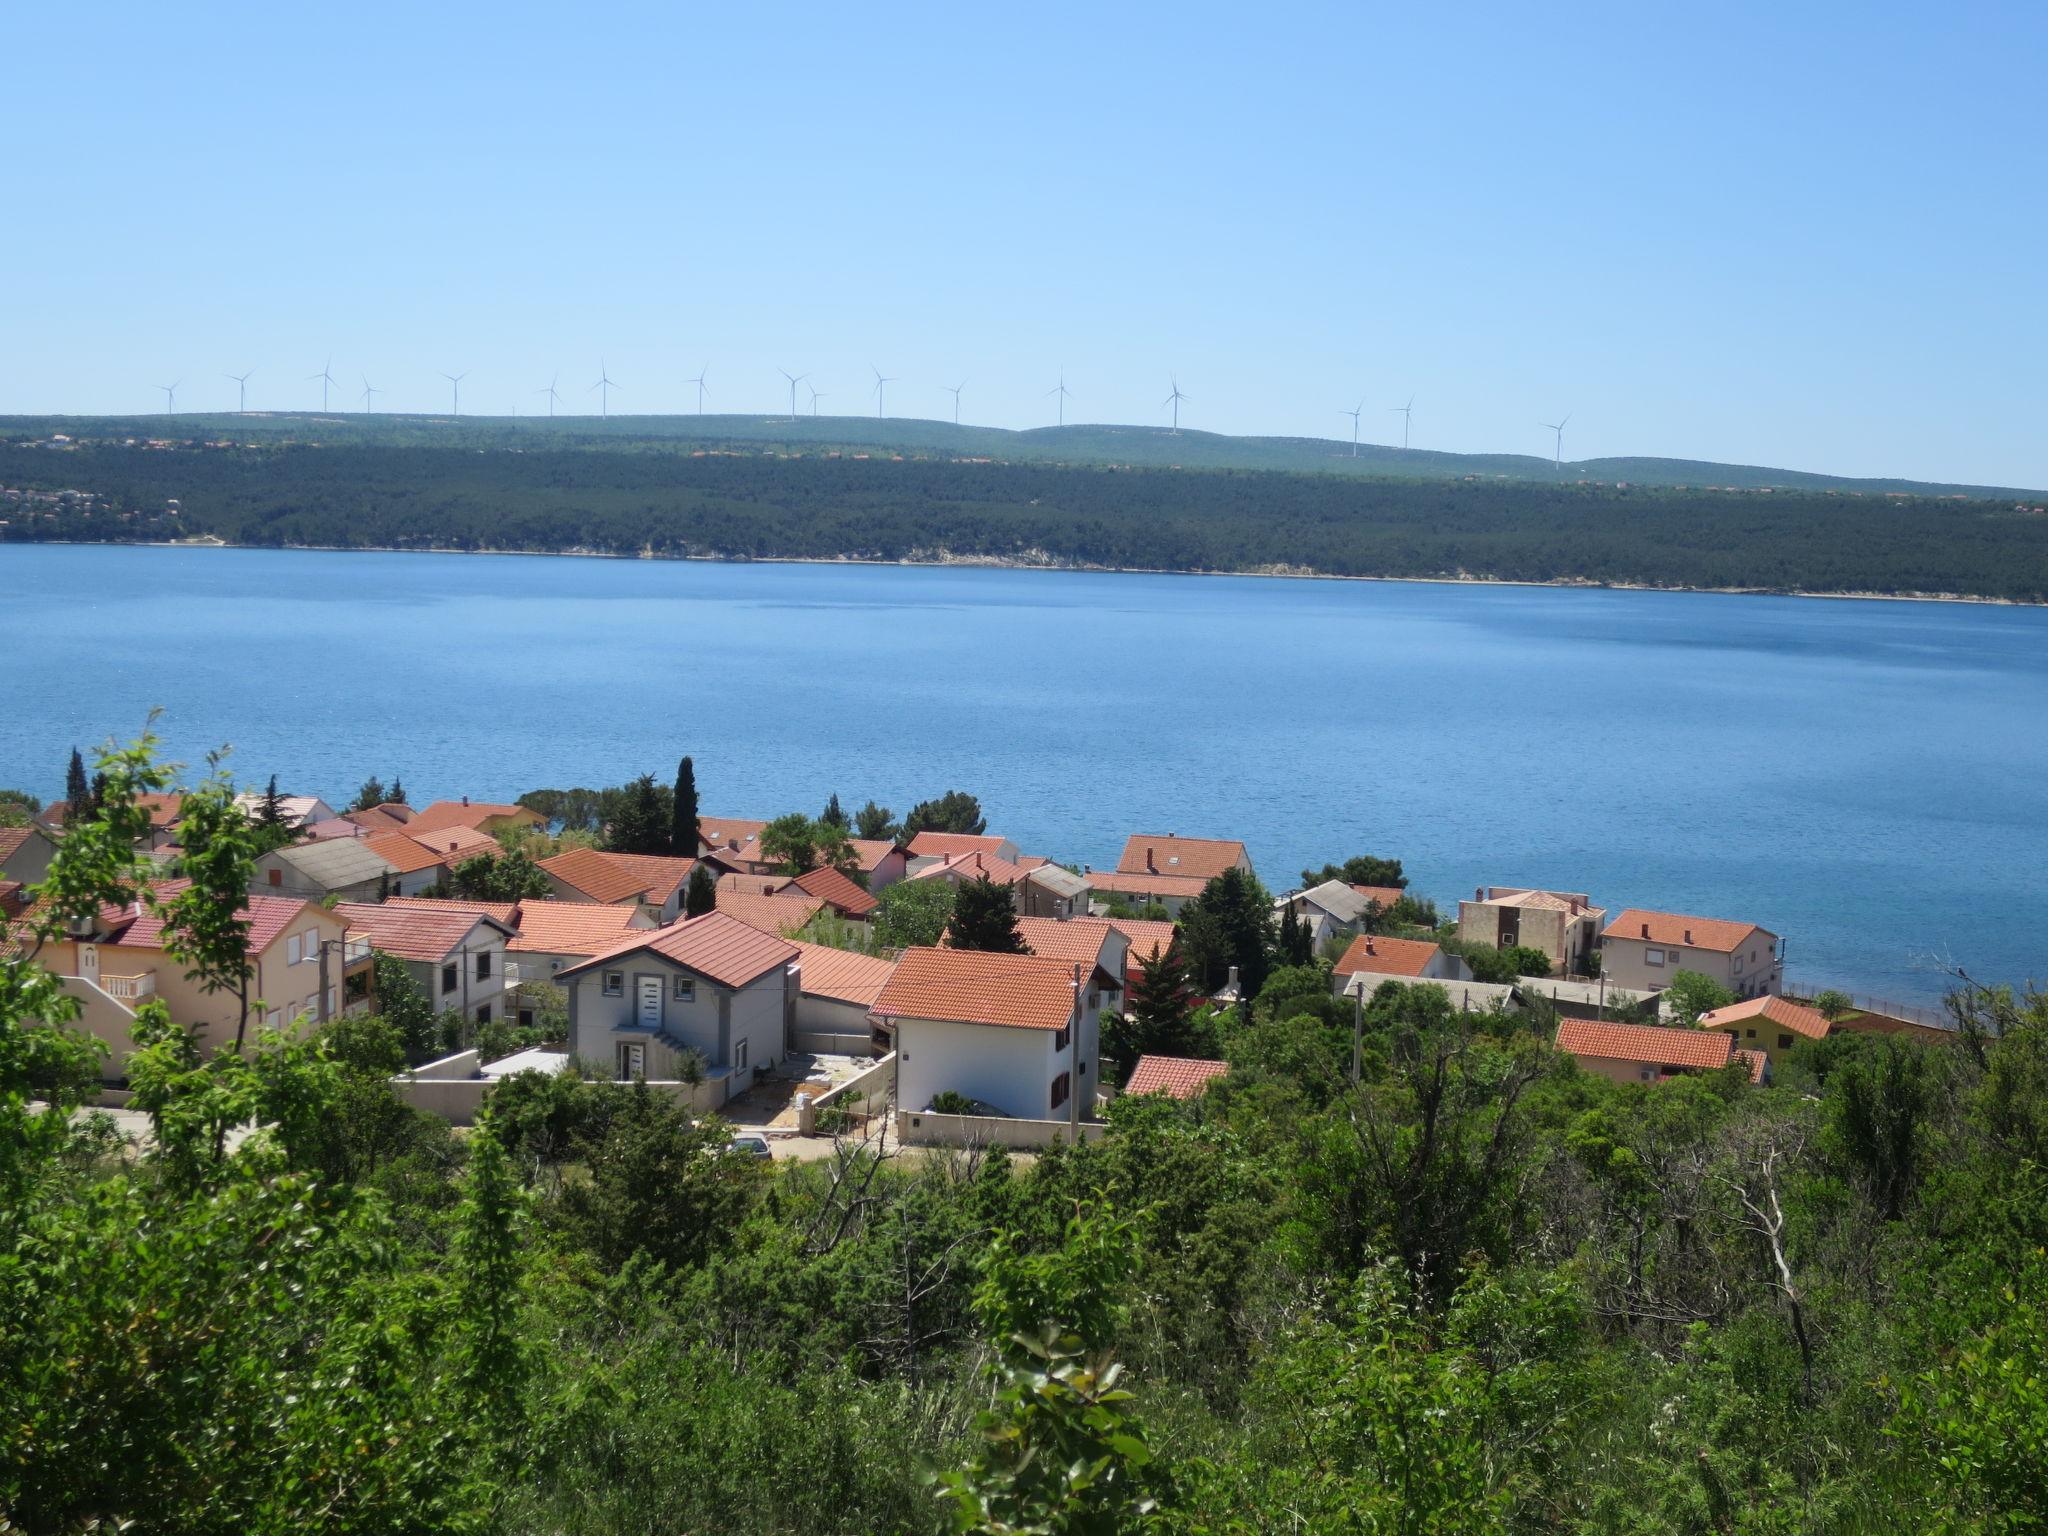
(833, 816)
(1159, 1016)
(913, 913)
(18, 807)
(1366, 869)
(702, 894)
(791, 843)
(640, 823)
(661, 1183)
(685, 834)
(1877, 1108)
(1230, 924)
(1297, 945)
(954, 811)
(1527, 960)
(500, 877)
(397, 796)
(874, 823)
(985, 918)
(1833, 1006)
(1692, 993)
(77, 789)
(206, 924)
(370, 795)
(404, 1004)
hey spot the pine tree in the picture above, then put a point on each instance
(97, 795)
(270, 809)
(874, 823)
(371, 794)
(833, 816)
(77, 789)
(397, 796)
(1159, 1015)
(985, 918)
(684, 833)
(702, 894)
(641, 824)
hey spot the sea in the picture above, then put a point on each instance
(1865, 778)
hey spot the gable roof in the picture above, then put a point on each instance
(1543, 901)
(730, 833)
(267, 917)
(405, 854)
(1782, 1011)
(1142, 884)
(1377, 955)
(337, 862)
(1651, 1044)
(837, 891)
(1076, 939)
(453, 843)
(428, 931)
(380, 818)
(604, 876)
(12, 839)
(469, 813)
(1202, 857)
(1681, 932)
(1055, 878)
(572, 927)
(1382, 896)
(1148, 937)
(716, 946)
(778, 914)
(944, 845)
(870, 851)
(164, 810)
(506, 912)
(1346, 903)
(972, 866)
(967, 986)
(1181, 1077)
(841, 974)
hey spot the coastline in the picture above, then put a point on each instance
(991, 562)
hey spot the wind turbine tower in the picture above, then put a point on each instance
(170, 397)
(954, 391)
(817, 394)
(241, 390)
(1557, 454)
(552, 393)
(880, 380)
(369, 389)
(326, 377)
(455, 383)
(699, 382)
(1353, 414)
(794, 380)
(1060, 389)
(1174, 400)
(1406, 413)
(604, 386)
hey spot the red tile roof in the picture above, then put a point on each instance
(267, 917)
(946, 845)
(716, 946)
(771, 914)
(610, 877)
(379, 818)
(506, 912)
(730, 833)
(164, 810)
(472, 814)
(572, 927)
(1202, 857)
(1651, 1044)
(969, 987)
(1145, 885)
(870, 851)
(737, 883)
(454, 843)
(1148, 936)
(842, 975)
(407, 855)
(1757, 1062)
(1781, 1011)
(1377, 955)
(972, 866)
(1181, 1077)
(1078, 938)
(428, 931)
(1383, 896)
(11, 839)
(837, 891)
(1710, 933)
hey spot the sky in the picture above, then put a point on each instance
(1807, 236)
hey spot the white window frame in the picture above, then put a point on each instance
(1653, 957)
(739, 1054)
(291, 950)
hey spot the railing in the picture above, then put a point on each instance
(353, 950)
(1912, 1013)
(130, 989)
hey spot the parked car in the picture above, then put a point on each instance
(752, 1145)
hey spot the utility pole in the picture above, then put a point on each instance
(1357, 1031)
(1074, 1063)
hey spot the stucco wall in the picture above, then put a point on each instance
(1011, 1069)
(930, 1130)
(1622, 962)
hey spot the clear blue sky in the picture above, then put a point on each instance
(1812, 236)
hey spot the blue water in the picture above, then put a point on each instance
(1863, 777)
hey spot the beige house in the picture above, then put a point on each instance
(346, 868)
(1199, 858)
(1770, 1025)
(1651, 1053)
(1646, 949)
(1565, 925)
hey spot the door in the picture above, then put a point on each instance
(649, 1014)
(632, 1060)
(89, 962)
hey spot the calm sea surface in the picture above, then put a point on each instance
(1865, 777)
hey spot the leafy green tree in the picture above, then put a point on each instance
(1833, 1006)
(985, 918)
(206, 924)
(499, 877)
(954, 811)
(1230, 923)
(639, 823)
(1525, 960)
(1366, 869)
(874, 823)
(685, 831)
(701, 895)
(404, 1004)
(1692, 993)
(662, 1184)
(18, 807)
(913, 913)
(791, 843)
(1877, 1107)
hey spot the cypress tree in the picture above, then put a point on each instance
(397, 790)
(833, 816)
(77, 790)
(702, 894)
(684, 833)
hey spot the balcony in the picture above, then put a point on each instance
(354, 950)
(130, 989)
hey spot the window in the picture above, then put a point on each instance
(1653, 957)
(1784, 1042)
(632, 1060)
(1059, 1090)
(614, 983)
(448, 978)
(277, 877)
(739, 1054)
(483, 1014)
(291, 950)
(685, 989)
(483, 965)
(526, 1018)
(1059, 1039)
(1750, 1033)
(1094, 999)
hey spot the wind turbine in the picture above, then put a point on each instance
(1405, 412)
(369, 389)
(794, 380)
(699, 382)
(605, 386)
(1557, 461)
(170, 397)
(326, 377)
(552, 393)
(455, 383)
(879, 382)
(1353, 414)
(241, 390)
(1174, 400)
(954, 391)
(1064, 394)
(817, 394)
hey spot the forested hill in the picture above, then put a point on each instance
(822, 506)
(1082, 444)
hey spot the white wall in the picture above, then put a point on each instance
(1011, 1069)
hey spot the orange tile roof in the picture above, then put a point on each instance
(572, 927)
(378, 819)
(972, 866)
(1782, 1011)
(730, 833)
(870, 851)
(415, 930)
(663, 873)
(164, 810)
(946, 845)
(1148, 936)
(1078, 938)
(1202, 857)
(506, 912)
(1383, 896)
(1181, 1077)
(1377, 955)
(969, 987)
(1710, 933)
(740, 884)
(405, 854)
(11, 839)
(472, 814)
(1145, 885)
(1650, 1044)
(837, 891)
(267, 917)
(1757, 1061)
(715, 945)
(842, 975)
(771, 914)
(610, 877)
(453, 843)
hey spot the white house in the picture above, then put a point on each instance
(456, 954)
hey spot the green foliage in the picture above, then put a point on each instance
(949, 1102)
(1230, 923)
(701, 894)
(913, 913)
(1833, 1005)
(18, 807)
(985, 918)
(1365, 869)
(1160, 1017)
(874, 823)
(371, 795)
(77, 788)
(1690, 994)
(404, 1004)
(499, 877)
(954, 811)
(796, 844)
(640, 818)
(685, 835)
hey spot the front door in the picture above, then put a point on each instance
(650, 1002)
(89, 962)
(632, 1060)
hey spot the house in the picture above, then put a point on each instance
(348, 869)
(1417, 959)
(1465, 996)
(1092, 941)
(329, 828)
(957, 869)
(709, 985)
(1148, 939)
(457, 955)
(1650, 1053)
(550, 936)
(305, 964)
(416, 867)
(882, 861)
(451, 845)
(931, 847)
(391, 816)
(297, 810)
(1178, 1077)
(1644, 949)
(164, 813)
(1772, 1025)
(25, 854)
(656, 881)
(734, 841)
(1142, 890)
(1015, 1033)
(1330, 908)
(1203, 858)
(781, 914)
(1051, 890)
(835, 990)
(478, 816)
(1565, 925)
(837, 891)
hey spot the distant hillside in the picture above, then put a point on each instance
(1080, 445)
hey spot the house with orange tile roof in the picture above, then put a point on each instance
(1014, 1033)
(656, 881)
(1093, 941)
(1202, 858)
(710, 986)
(453, 844)
(838, 891)
(1178, 1077)
(1142, 890)
(477, 815)
(458, 955)
(1147, 938)
(1651, 1053)
(415, 867)
(164, 813)
(1772, 1025)
(930, 847)
(1375, 954)
(1565, 925)
(783, 913)
(391, 816)
(835, 990)
(25, 854)
(1645, 950)
(882, 861)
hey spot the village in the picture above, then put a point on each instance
(740, 983)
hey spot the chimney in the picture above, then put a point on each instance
(1646, 930)
(1150, 867)
(1479, 893)
(1231, 985)
(1368, 945)
(465, 799)
(1688, 935)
